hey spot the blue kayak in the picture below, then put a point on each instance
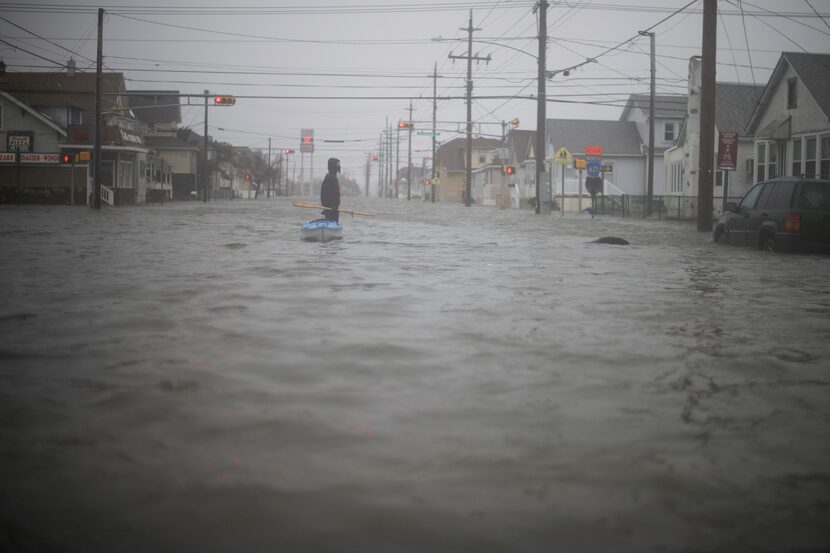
(321, 230)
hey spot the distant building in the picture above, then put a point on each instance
(452, 165)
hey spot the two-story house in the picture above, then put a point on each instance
(452, 165)
(68, 99)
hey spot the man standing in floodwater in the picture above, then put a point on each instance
(330, 191)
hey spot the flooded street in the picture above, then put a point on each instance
(194, 377)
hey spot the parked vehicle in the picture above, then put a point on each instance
(786, 214)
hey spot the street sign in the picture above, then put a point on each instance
(607, 168)
(579, 164)
(501, 154)
(307, 141)
(594, 185)
(563, 156)
(593, 150)
(427, 133)
(727, 150)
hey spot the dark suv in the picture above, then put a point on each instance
(787, 214)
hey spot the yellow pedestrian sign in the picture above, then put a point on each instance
(563, 156)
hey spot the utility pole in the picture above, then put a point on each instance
(409, 157)
(397, 157)
(434, 114)
(270, 172)
(470, 57)
(542, 6)
(205, 154)
(96, 189)
(381, 163)
(650, 177)
(707, 116)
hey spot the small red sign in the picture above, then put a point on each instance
(727, 150)
(593, 150)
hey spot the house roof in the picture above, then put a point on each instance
(615, 137)
(156, 106)
(448, 153)
(50, 89)
(734, 104)
(666, 106)
(518, 141)
(814, 72)
(168, 143)
(43, 118)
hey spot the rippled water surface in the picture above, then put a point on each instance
(194, 377)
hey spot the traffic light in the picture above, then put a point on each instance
(288, 151)
(404, 124)
(507, 169)
(67, 158)
(373, 157)
(247, 176)
(224, 100)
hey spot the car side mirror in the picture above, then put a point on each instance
(732, 206)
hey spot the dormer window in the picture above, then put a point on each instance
(792, 93)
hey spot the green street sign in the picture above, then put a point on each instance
(428, 133)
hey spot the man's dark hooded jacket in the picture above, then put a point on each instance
(330, 191)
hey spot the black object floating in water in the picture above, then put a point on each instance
(612, 240)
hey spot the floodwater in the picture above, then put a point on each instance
(194, 377)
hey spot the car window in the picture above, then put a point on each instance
(815, 195)
(782, 197)
(749, 200)
(764, 199)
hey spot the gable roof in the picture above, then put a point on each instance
(156, 106)
(518, 141)
(666, 106)
(44, 119)
(814, 72)
(58, 89)
(734, 104)
(615, 137)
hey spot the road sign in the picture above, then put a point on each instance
(307, 141)
(502, 154)
(594, 185)
(727, 150)
(607, 168)
(563, 156)
(428, 133)
(579, 164)
(593, 150)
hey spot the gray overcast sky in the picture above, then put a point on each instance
(367, 51)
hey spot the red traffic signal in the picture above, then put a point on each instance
(509, 170)
(247, 176)
(67, 158)
(404, 124)
(373, 157)
(224, 100)
(288, 151)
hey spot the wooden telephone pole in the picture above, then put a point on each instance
(707, 117)
(469, 57)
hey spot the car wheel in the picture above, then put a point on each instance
(768, 244)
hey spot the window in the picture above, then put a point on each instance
(761, 156)
(796, 157)
(783, 195)
(1, 119)
(482, 157)
(792, 93)
(749, 200)
(766, 194)
(718, 178)
(810, 157)
(668, 132)
(825, 157)
(814, 195)
(125, 174)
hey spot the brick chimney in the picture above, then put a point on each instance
(70, 66)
